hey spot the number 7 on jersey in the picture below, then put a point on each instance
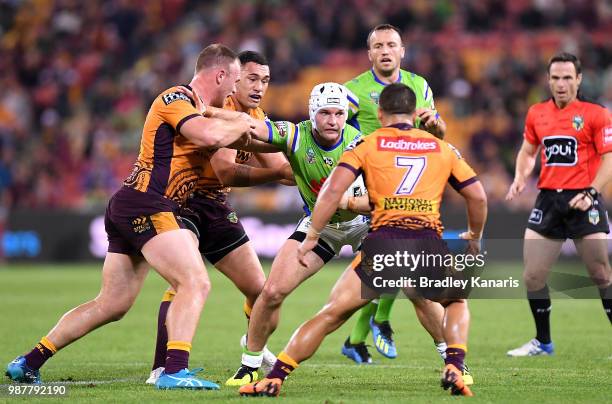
(415, 166)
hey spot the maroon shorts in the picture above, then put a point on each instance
(132, 218)
(215, 223)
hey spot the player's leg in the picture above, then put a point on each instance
(345, 299)
(243, 268)
(187, 275)
(431, 316)
(122, 278)
(593, 250)
(285, 275)
(539, 255)
(456, 327)
(382, 333)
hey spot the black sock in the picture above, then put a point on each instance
(539, 301)
(606, 300)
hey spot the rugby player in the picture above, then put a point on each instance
(440, 163)
(313, 148)
(385, 51)
(575, 139)
(223, 240)
(142, 223)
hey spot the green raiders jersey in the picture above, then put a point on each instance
(364, 93)
(311, 162)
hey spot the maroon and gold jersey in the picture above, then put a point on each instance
(572, 140)
(209, 183)
(168, 163)
(405, 172)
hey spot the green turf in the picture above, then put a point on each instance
(113, 362)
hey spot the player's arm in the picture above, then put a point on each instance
(356, 204)
(234, 174)
(525, 162)
(476, 204)
(602, 138)
(432, 122)
(275, 161)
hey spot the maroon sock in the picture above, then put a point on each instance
(280, 370)
(176, 360)
(162, 336)
(37, 356)
(455, 356)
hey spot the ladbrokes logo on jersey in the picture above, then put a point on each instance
(560, 150)
(408, 144)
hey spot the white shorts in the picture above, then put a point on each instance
(337, 235)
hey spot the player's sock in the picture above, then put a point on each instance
(361, 329)
(383, 312)
(606, 299)
(40, 354)
(162, 333)
(455, 355)
(252, 359)
(441, 348)
(247, 310)
(539, 301)
(283, 367)
(177, 357)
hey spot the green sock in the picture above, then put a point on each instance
(361, 329)
(383, 313)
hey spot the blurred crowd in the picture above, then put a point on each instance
(77, 77)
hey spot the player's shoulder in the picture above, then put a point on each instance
(412, 77)
(542, 107)
(258, 113)
(170, 95)
(592, 106)
(359, 80)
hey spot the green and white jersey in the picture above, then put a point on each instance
(365, 89)
(311, 163)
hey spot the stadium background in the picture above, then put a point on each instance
(77, 79)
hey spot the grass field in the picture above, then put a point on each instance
(111, 364)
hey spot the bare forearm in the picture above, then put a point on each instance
(358, 204)
(477, 215)
(220, 113)
(524, 165)
(604, 174)
(243, 175)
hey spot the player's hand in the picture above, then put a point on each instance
(473, 242)
(582, 201)
(304, 248)
(287, 173)
(517, 187)
(429, 117)
(193, 94)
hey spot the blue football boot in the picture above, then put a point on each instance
(383, 340)
(19, 372)
(356, 352)
(184, 379)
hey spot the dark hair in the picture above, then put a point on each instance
(397, 98)
(383, 27)
(252, 56)
(566, 57)
(215, 55)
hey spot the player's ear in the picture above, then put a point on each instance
(379, 114)
(370, 56)
(402, 52)
(220, 76)
(579, 79)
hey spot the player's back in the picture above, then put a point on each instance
(168, 163)
(406, 171)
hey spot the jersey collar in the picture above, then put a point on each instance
(328, 148)
(401, 126)
(376, 79)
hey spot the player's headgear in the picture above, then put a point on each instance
(327, 95)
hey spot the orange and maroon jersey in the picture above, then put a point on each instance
(572, 140)
(208, 180)
(406, 171)
(168, 163)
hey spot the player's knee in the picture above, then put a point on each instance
(533, 281)
(272, 295)
(600, 273)
(200, 286)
